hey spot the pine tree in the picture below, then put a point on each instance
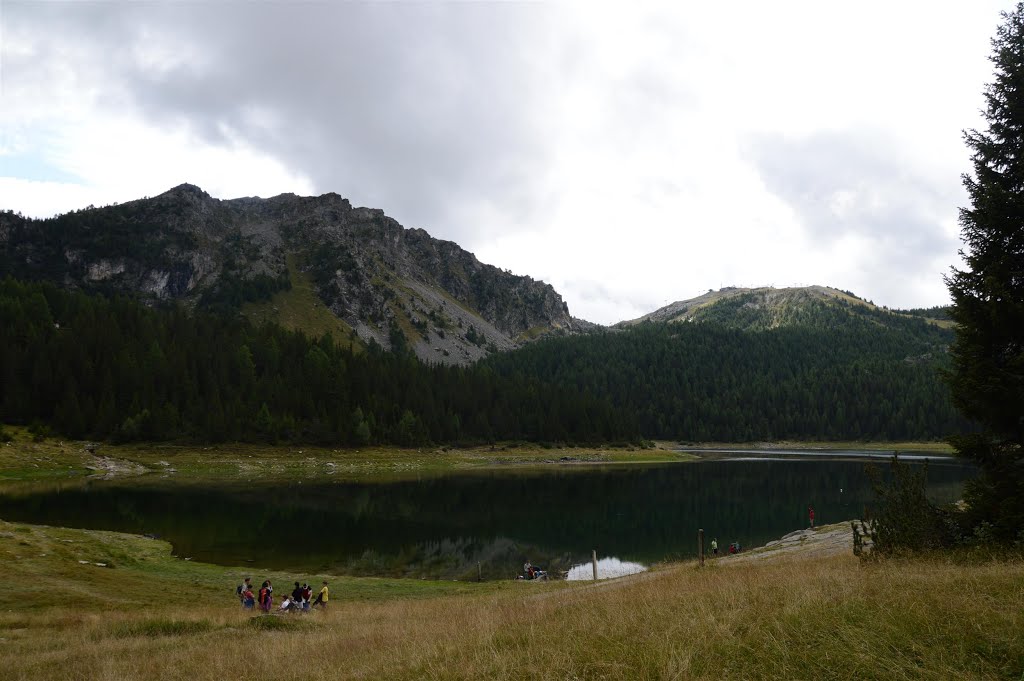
(987, 375)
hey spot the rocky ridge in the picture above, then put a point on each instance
(390, 285)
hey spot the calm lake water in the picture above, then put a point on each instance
(451, 526)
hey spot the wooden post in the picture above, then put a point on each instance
(479, 572)
(593, 558)
(700, 546)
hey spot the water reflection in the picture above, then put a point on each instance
(607, 568)
(462, 526)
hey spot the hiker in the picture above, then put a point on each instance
(321, 598)
(246, 585)
(248, 600)
(810, 513)
(714, 547)
(307, 596)
(528, 570)
(297, 595)
(266, 597)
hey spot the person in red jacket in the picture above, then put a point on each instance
(810, 514)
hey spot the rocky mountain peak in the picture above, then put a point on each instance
(291, 259)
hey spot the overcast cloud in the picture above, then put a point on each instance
(629, 155)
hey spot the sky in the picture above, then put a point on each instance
(629, 154)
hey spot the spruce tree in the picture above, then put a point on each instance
(987, 375)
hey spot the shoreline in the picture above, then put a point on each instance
(24, 460)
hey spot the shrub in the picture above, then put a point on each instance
(39, 431)
(903, 520)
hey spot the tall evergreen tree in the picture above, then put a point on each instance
(987, 376)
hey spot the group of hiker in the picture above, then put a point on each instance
(733, 547)
(300, 600)
(531, 571)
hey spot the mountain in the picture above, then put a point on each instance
(762, 364)
(769, 308)
(313, 263)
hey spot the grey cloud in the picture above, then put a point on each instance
(860, 184)
(413, 108)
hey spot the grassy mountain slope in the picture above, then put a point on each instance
(769, 308)
(299, 308)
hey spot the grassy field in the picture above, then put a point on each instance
(149, 616)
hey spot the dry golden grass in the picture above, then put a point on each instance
(791, 617)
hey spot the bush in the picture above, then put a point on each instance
(39, 431)
(903, 520)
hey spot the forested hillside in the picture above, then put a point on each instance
(91, 366)
(827, 374)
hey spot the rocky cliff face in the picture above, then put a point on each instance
(391, 285)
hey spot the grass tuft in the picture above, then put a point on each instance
(276, 623)
(153, 628)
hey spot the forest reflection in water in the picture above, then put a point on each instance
(460, 526)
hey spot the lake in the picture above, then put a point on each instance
(488, 522)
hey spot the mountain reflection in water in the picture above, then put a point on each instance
(487, 523)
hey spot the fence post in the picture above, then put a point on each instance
(593, 558)
(700, 546)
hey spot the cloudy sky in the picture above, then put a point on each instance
(628, 154)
